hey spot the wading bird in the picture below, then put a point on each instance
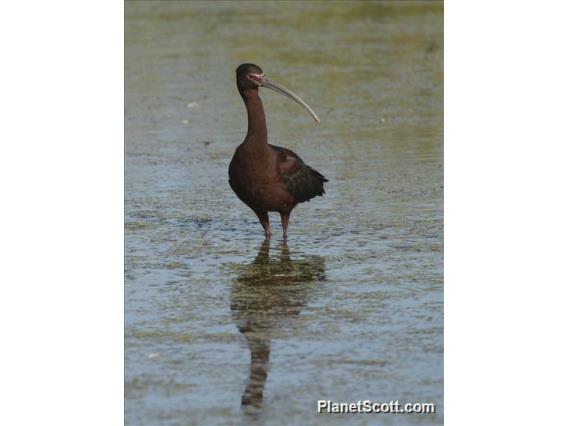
(269, 178)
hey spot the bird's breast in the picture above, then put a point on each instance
(257, 181)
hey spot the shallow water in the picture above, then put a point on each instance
(222, 328)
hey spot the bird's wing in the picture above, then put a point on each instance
(302, 181)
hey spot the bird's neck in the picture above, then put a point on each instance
(257, 133)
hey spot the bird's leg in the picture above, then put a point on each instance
(285, 217)
(265, 222)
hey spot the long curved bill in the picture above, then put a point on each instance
(265, 82)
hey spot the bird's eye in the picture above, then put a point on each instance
(257, 78)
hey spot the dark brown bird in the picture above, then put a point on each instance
(269, 178)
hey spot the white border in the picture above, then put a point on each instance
(505, 212)
(61, 170)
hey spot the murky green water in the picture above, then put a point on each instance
(351, 307)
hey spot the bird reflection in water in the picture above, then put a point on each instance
(266, 298)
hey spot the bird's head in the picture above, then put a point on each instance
(251, 77)
(246, 77)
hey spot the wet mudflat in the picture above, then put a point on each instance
(224, 328)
